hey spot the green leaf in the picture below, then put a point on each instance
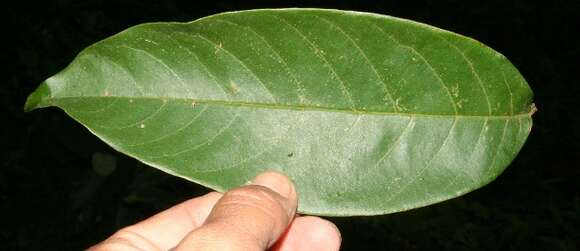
(368, 114)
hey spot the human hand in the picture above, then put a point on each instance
(258, 216)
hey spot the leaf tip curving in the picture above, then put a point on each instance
(38, 98)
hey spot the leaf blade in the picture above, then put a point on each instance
(222, 98)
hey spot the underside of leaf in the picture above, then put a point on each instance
(368, 114)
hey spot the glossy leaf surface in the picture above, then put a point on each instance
(368, 114)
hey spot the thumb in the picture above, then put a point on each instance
(251, 217)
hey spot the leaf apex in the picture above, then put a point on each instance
(533, 109)
(38, 98)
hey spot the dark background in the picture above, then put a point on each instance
(60, 190)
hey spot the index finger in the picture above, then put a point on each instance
(166, 229)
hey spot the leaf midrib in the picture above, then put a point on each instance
(49, 101)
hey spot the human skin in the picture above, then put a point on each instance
(257, 216)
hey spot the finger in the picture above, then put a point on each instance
(310, 233)
(163, 230)
(247, 218)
